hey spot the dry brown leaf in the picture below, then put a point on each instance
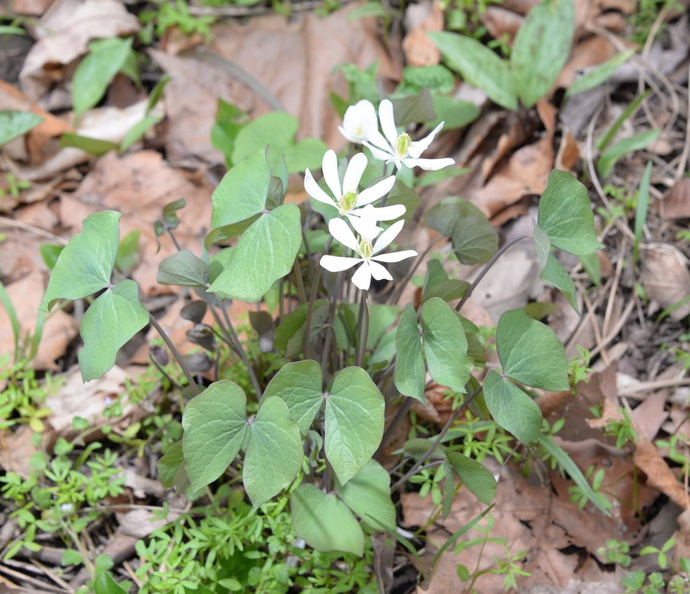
(650, 415)
(33, 8)
(64, 32)
(303, 88)
(58, 331)
(665, 277)
(501, 22)
(568, 152)
(139, 523)
(419, 49)
(676, 202)
(16, 449)
(659, 475)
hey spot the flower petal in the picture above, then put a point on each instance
(314, 190)
(381, 154)
(353, 174)
(395, 256)
(340, 230)
(338, 263)
(379, 272)
(387, 213)
(419, 146)
(365, 224)
(354, 138)
(386, 238)
(362, 277)
(378, 190)
(387, 120)
(329, 166)
(429, 164)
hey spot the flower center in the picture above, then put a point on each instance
(366, 250)
(402, 144)
(347, 202)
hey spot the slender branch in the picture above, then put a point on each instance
(243, 354)
(174, 240)
(312, 298)
(486, 269)
(439, 438)
(403, 409)
(174, 351)
(363, 325)
(299, 281)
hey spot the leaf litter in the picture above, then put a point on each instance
(509, 155)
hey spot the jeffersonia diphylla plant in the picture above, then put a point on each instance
(328, 275)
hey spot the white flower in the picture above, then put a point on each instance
(357, 118)
(367, 253)
(398, 148)
(354, 205)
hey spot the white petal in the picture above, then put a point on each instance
(314, 190)
(379, 272)
(367, 114)
(378, 190)
(362, 277)
(429, 164)
(387, 213)
(343, 233)
(418, 147)
(364, 224)
(330, 173)
(350, 136)
(388, 236)
(353, 174)
(382, 155)
(338, 263)
(395, 256)
(388, 122)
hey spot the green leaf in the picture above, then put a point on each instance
(592, 267)
(86, 263)
(354, 422)
(410, 375)
(50, 253)
(476, 478)
(127, 256)
(215, 426)
(93, 146)
(414, 109)
(299, 386)
(434, 177)
(71, 557)
(555, 274)
(228, 232)
(137, 131)
(445, 345)
(530, 352)
(324, 522)
(242, 192)
(641, 209)
(95, 71)
(455, 113)
(157, 92)
(184, 269)
(599, 75)
(108, 324)
(276, 128)
(541, 48)
(11, 312)
(436, 78)
(608, 159)
(370, 9)
(14, 124)
(542, 245)
(306, 154)
(437, 284)
(368, 494)
(565, 213)
(292, 323)
(263, 255)
(105, 584)
(274, 452)
(479, 66)
(567, 464)
(511, 408)
(170, 464)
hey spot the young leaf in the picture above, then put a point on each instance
(184, 269)
(324, 522)
(565, 213)
(608, 159)
(479, 66)
(445, 345)
(274, 452)
(242, 192)
(410, 375)
(93, 146)
(94, 73)
(306, 154)
(105, 584)
(108, 324)
(368, 494)
(456, 113)
(530, 352)
(511, 408)
(137, 131)
(414, 109)
(599, 75)
(437, 284)
(641, 210)
(542, 245)
(299, 386)
(86, 263)
(354, 422)
(14, 124)
(555, 274)
(263, 254)
(541, 48)
(215, 426)
(170, 464)
(475, 476)
(127, 256)
(291, 324)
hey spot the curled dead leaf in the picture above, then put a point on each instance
(659, 475)
(665, 277)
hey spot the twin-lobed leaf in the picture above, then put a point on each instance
(410, 374)
(183, 268)
(474, 475)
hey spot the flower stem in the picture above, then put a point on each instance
(175, 352)
(486, 269)
(312, 298)
(363, 326)
(243, 354)
(299, 281)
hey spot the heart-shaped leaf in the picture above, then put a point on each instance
(410, 374)
(183, 268)
(476, 478)
(511, 408)
(108, 324)
(555, 274)
(86, 263)
(368, 494)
